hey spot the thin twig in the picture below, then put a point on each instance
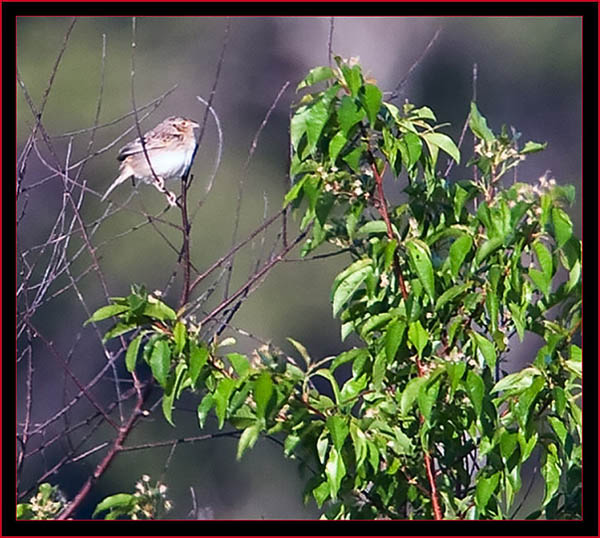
(450, 162)
(243, 180)
(330, 42)
(399, 87)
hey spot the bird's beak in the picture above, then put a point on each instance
(194, 125)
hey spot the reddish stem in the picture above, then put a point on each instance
(437, 512)
(386, 218)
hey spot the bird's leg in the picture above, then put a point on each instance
(159, 183)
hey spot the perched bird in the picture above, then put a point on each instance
(169, 152)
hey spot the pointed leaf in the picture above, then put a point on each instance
(421, 260)
(132, 353)
(478, 125)
(160, 361)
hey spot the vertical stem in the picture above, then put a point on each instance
(384, 214)
(185, 291)
(437, 512)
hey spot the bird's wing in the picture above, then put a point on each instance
(151, 141)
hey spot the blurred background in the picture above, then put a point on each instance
(529, 77)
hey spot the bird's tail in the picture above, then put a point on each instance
(122, 177)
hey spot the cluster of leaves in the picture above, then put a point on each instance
(148, 502)
(426, 421)
(45, 504)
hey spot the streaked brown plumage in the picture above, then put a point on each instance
(170, 148)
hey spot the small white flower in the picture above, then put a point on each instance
(145, 478)
(162, 489)
(157, 293)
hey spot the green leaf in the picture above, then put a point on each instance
(409, 394)
(335, 471)
(352, 388)
(158, 310)
(541, 281)
(420, 257)
(263, 390)
(322, 446)
(132, 353)
(334, 384)
(352, 76)
(427, 396)
(508, 443)
(418, 336)
(221, 397)
(372, 101)
(204, 407)
(487, 248)
(518, 319)
(484, 490)
(160, 361)
(248, 439)
(239, 362)
(424, 113)
(311, 119)
(24, 511)
(411, 147)
(517, 381)
(356, 266)
(301, 349)
(527, 397)
(475, 388)
(171, 392)
(118, 329)
(527, 446)
(478, 125)
(336, 144)
(198, 358)
(359, 441)
(393, 336)
(458, 252)
(563, 227)
(353, 158)
(551, 473)
(317, 74)
(544, 258)
(375, 227)
(180, 337)
(559, 428)
(379, 367)
(292, 194)
(290, 443)
(450, 294)
(532, 147)
(486, 347)
(347, 287)
(349, 113)
(455, 372)
(338, 428)
(347, 356)
(321, 493)
(106, 312)
(444, 142)
(122, 501)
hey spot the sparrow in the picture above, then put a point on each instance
(170, 148)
